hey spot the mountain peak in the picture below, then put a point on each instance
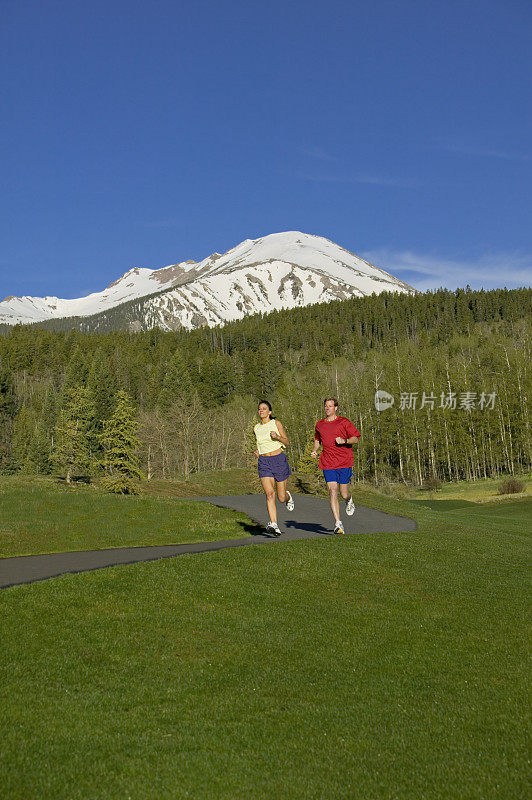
(280, 270)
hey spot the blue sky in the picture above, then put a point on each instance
(145, 133)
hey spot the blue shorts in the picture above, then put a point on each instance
(275, 467)
(342, 475)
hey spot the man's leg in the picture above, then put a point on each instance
(345, 491)
(333, 494)
(268, 484)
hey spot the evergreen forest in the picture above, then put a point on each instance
(455, 363)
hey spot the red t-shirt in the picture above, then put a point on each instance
(335, 456)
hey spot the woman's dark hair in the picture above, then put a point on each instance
(266, 403)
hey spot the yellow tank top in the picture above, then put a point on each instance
(265, 444)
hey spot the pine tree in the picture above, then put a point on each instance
(121, 446)
(71, 454)
(45, 431)
(176, 382)
(307, 464)
(75, 371)
(39, 451)
(23, 427)
(8, 402)
(101, 383)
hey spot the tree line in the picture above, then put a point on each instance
(455, 363)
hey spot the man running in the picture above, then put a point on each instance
(337, 435)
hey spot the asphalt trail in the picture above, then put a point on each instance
(311, 519)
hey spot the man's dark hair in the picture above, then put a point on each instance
(334, 399)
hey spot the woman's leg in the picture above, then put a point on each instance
(281, 491)
(268, 484)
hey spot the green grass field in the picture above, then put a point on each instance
(38, 515)
(203, 484)
(481, 491)
(389, 666)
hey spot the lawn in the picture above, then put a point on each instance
(485, 490)
(388, 666)
(38, 515)
(202, 484)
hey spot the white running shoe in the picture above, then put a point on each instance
(290, 502)
(339, 528)
(273, 529)
(350, 508)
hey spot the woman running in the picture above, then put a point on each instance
(273, 464)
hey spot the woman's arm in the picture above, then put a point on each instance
(281, 436)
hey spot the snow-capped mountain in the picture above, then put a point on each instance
(137, 282)
(282, 270)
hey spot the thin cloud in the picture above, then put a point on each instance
(424, 272)
(318, 153)
(330, 174)
(372, 180)
(482, 152)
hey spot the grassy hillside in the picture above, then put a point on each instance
(372, 666)
(38, 515)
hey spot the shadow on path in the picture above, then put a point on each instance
(309, 527)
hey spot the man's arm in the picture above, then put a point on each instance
(350, 440)
(349, 429)
(314, 452)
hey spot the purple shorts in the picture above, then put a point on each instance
(276, 467)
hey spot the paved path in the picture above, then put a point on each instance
(311, 519)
